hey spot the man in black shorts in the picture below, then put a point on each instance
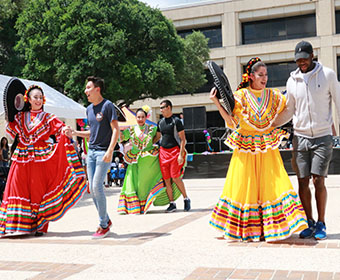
(172, 153)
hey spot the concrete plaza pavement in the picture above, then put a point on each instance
(178, 245)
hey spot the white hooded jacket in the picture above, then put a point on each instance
(309, 101)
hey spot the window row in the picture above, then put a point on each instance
(278, 74)
(266, 30)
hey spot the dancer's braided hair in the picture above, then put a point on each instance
(252, 65)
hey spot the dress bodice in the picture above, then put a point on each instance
(141, 138)
(255, 111)
(33, 129)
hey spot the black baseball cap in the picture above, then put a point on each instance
(303, 49)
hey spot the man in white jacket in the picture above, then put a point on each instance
(310, 91)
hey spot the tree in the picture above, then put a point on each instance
(196, 52)
(10, 62)
(132, 46)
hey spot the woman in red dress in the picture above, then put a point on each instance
(45, 179)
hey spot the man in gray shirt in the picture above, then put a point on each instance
(310, 91)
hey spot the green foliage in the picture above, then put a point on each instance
(132, 46)
(196, 53)
(10, 62)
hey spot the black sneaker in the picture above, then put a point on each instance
(187, 206)
(171, 208)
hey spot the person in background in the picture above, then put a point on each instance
(181, 117)
(310, 90)
(4, 152)
(172, 153)
(143, 182)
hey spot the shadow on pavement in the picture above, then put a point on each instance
(195, 210)
(144, 235)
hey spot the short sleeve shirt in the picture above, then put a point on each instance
(166, 127)
(99, 118)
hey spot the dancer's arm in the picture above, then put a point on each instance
(220, 108)
(156, 138)
(83, 134)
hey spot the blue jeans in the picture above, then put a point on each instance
(96, 172)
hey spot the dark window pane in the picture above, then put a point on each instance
(278, 73)
(213, 33)
(337, 22)
(278, 29)
(209, 84)
(338, 66)
(206, 87)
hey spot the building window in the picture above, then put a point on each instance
(278, 29)
(337, 22)
(206, 87)
(209, 84)
(213, 33)
(338, 66)
(278, 73)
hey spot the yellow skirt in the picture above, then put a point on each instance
(258, 200)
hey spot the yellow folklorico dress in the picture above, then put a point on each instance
(258, 199)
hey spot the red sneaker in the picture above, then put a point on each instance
(102, 232)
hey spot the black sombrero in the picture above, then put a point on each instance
(13, 98)
(223, 87)
(120, 114)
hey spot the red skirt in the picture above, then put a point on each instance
(169, 164)
(39, 192)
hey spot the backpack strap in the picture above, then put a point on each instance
(178, 140)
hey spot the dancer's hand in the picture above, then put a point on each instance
(213, 96)
(180, 159)
(67, 130)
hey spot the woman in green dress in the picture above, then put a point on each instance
(143, 183)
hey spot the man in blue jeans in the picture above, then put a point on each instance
(103, 134)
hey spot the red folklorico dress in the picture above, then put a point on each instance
(45, 180)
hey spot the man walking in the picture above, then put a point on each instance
(310, 91)
(172, 153)
(103, 134)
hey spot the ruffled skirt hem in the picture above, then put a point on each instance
(271, 221)
(21, 213)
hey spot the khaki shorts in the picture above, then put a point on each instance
(312, 156)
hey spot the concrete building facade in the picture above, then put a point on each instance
(269, 29)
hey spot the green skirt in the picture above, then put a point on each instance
(144, 185)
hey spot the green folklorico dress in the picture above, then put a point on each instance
(143, 183)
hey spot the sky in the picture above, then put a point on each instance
(169, 3)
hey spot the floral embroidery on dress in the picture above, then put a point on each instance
(256, 116)
(140, 137)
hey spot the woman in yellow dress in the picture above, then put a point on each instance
(258, 201)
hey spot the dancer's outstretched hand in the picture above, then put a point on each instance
(67, 130)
